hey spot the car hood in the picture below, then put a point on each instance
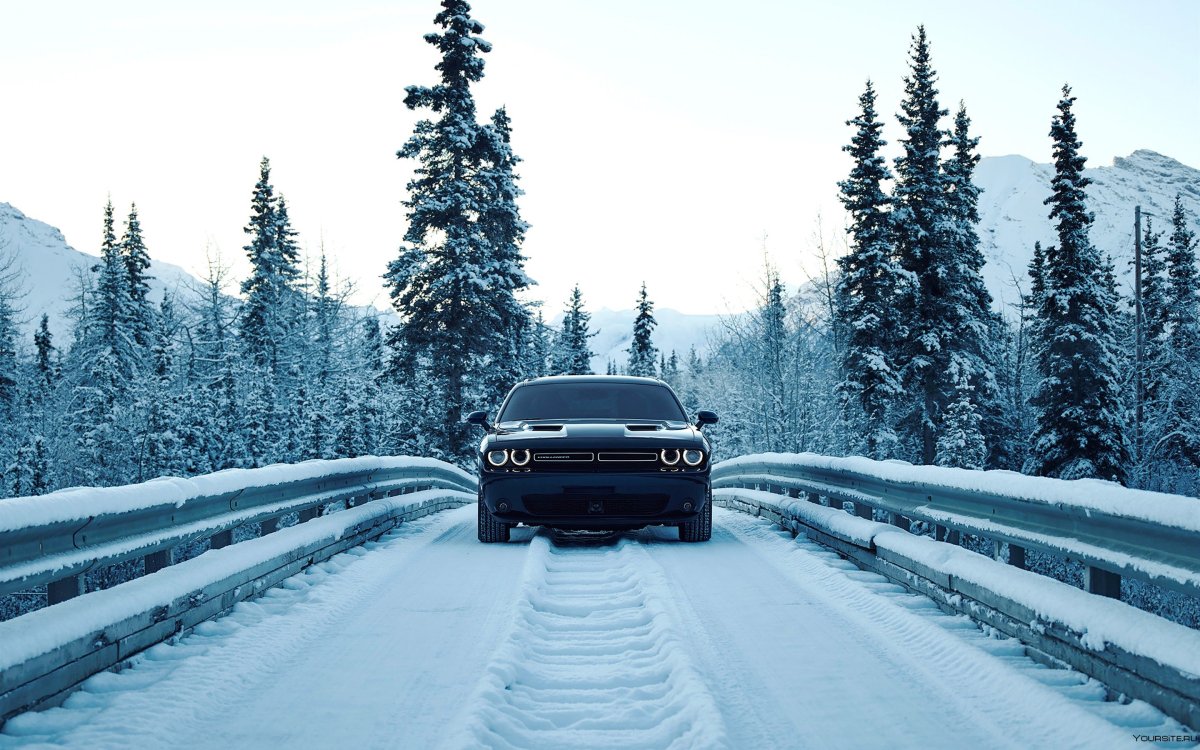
(574, 432)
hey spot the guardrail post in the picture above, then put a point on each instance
(67, 588)
(309, 514)
(1016, 557)
(156, 561)
(221, 539)
(813, 497)
(269, 526)
(833, 503)
(1103, 583)
(794, 492)
(862, 510)
(899, 521)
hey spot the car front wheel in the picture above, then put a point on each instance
(700, 529)
(491, 529)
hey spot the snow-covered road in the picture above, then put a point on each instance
(428, 638)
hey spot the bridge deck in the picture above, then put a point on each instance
(428, 637)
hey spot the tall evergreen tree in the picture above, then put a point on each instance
(574, 357)
(9, 291)
(454, 279)
(137, 264)
(946, 311)
(868, 287)
(271, 271)
(920, 219)
(642, 352)
(969, 322)
(43, 343)
(1079, 428)
(1180, 428)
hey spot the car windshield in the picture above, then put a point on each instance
(615, 401)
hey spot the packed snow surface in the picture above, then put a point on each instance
(429, 638)
(1100, 621)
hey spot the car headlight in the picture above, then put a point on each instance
(669, 456)
(497, 458)
(693, 457)
(520, 457)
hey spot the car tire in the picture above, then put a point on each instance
(700, 529)
(491, 529)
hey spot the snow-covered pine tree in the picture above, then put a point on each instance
(960, 441)
(137, 265)
(970, 322)
(451, 286)
(263, 289)
(1180, 426)
(868, 288)
(921, 220)
(1079, 428)
(43, 343)
(505, 232)
(574, 357)
(113, 307)
(642, 352)
(160, 451)
(1154, 306)
(10, 280)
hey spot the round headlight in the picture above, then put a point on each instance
(693, 457)
(669, 456)
(497, 458)
(520, 457)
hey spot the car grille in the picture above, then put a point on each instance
(557, 505)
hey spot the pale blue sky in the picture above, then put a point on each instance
(661, 139)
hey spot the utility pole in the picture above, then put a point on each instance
(1139, 391)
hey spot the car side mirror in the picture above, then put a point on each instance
(704, 417)
(479, 418)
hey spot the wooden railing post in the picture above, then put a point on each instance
(221, 539)
(269, 526)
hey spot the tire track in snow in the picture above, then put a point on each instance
(593, 660)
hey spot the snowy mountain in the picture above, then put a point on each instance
(1013, 217)
(52, 269)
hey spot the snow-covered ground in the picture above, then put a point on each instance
(429, 638)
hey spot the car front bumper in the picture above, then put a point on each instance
(595, 500)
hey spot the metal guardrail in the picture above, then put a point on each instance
(55, 539)
(45, 654)
(1109, 542)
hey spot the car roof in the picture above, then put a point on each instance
(592, 379)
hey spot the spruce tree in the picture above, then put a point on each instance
(868, 287)
(970, 325)
(960, 441)
(574, 357)
(642, 351)
(454, 280)
(43, 342)
(1180, 426)
(137, 264)
(263, 289)
(920, 219)
(1079, 428)
(9, 368)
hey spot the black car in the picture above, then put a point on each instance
(594, 452)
